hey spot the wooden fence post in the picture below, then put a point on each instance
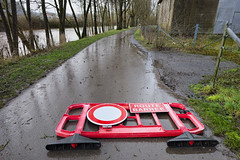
(220, 54)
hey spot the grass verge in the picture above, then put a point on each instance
(231, 52)
(20, 73)
(220, 108)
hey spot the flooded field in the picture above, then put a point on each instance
(41, 39)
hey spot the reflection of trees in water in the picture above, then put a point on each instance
(40, 39)
(92, 15)
(20, 17)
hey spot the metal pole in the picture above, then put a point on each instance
(211, 43)
(233, 36)
(220, 54)
(195, 35)
(170, 37)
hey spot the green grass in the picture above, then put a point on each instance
(20, 73)
(232, 52)
(145, 42)
(138, 36)
(220, 108)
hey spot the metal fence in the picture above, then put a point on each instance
(228, 42)
(195, 39)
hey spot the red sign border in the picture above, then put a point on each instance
(94, 120)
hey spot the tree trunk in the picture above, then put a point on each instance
(75, 19)
(61, 10)
(86, 10)
(120, 19)
(30, 40)
(9, 18)
(24, 39)
(14, 28)
(103, 15)
(91, 12)
(46, 24)
(31, 36)
(95, 17)
(109, 16)
(116, 10)
(7, 28)
(125, 15)
(112, 15)
(132, 17)
(84, 33)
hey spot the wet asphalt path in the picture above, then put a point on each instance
(109, 70)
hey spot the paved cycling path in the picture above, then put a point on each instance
(110, 70)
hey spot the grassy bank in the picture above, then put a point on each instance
(19, 74)
(231, 52)
(220, 108)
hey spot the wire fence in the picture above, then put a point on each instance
(196, 38)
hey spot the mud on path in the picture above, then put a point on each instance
(112, 70)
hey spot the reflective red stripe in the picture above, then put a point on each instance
(191, 142)
(92, 118)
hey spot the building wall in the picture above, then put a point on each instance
(228, 10)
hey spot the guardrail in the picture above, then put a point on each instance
(227, 32)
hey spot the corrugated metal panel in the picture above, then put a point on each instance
(236, 18)
(238, 6)
(228, 10)
(236, 22)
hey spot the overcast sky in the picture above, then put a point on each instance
(51, 9)
(76, 6)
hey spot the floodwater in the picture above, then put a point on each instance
(41, 38)
(110, 70)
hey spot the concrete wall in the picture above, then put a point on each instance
(188, 13)
(165, 14)
(181, 16)
(228, 10)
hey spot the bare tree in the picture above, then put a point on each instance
(142, 10)
(14, 28)
(30, 41)
(116, 10)
(7, 27)
(10, 25)
(61, 10)
(85, 10)
(46, 24)
(119, 14)
(102, 7)
(76, 21)
(95, 17)
(31, 36)
(132, 16)
(109, 15)
(125, 14)
(112, 12)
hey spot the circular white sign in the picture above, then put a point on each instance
(107, 113)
